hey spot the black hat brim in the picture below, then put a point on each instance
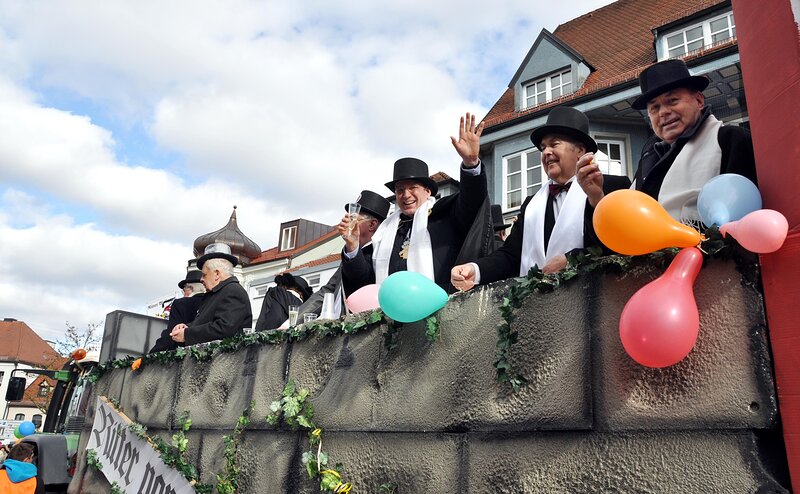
(538, 134)
(369, 212)
(216, 255)
(426, 181)
(697, 82)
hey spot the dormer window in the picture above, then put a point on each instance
(288, 237)
(44, 389)
(706, 33)
(548, 88)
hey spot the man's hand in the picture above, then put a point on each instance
(468, 145)
(463, 276)
(555, 264)
(350, 238)
(590, 178)
(177, 333)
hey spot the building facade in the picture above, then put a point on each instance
(592, 63)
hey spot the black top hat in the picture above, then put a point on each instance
(412, 169)
(666, 76)
(497, 218)
(192, 276)
(567, 121)
(217, 251)
(372, 203)
(289, 281)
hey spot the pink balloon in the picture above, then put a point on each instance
(363, 299)
(660, 322)
(761, 231)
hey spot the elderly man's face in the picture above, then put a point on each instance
(675, 111)
(211, 277)
(560, 157)
(410, 195)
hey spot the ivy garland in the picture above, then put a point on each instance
(296, 412)
(228, 482)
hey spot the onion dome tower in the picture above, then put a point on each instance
(241, 246)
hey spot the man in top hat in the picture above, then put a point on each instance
(500, 226)
(423, 234)
(555, 220)
(289, 290)
(182, 310)
(226, 308)
(374, 208)
(690, 145)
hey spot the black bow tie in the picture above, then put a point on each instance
(559, 188)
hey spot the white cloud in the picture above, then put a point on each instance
(286, 109)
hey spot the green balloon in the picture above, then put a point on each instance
(17, 433)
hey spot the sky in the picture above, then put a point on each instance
(130, 128)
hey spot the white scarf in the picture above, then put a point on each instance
(697, 163)
(420, 252)
(567, 233)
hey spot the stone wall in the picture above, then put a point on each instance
(431, 417)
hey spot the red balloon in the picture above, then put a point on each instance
(659, 324)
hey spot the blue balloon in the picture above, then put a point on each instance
(406, 296)
(27, 428)
(727, 197)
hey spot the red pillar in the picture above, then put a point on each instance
(769, 47)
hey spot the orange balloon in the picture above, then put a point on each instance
(632, 223)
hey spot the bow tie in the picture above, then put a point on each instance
(559, 188)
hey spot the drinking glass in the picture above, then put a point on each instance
(309, 316)
(352, 210)
(293, 311)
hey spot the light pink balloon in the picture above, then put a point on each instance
(363, 299)
(660, 323)
(761, 231)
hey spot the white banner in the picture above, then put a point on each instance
(129, 461)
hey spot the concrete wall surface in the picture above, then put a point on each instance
(431, 417)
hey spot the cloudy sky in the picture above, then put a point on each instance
(129, 128)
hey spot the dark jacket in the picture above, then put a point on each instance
(314, 303)
(657, 156)
(504, 262)
(225, 311)
(275, 308)
(452, 220)
(182, 310)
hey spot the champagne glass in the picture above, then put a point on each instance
(294, 310)
(353, 209)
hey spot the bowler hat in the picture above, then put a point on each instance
(373, 204)
(666, 76)
(192, 276)
(497, 218)
(217, 251)
(412, 169)
(567, 121)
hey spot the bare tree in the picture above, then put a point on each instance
(88, 339)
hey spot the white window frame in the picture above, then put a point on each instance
(313, 281)
(707, 38)
(625, 148)
(288, 238)
(549, 87)
(532, 154)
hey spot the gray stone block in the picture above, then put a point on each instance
(413, 462)
(725, 382)
(452, 385)
(149, 396)
(589, 462)
(340, 374)
(111, 385)
(216, 392)
(268, 376)
(267, 458)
